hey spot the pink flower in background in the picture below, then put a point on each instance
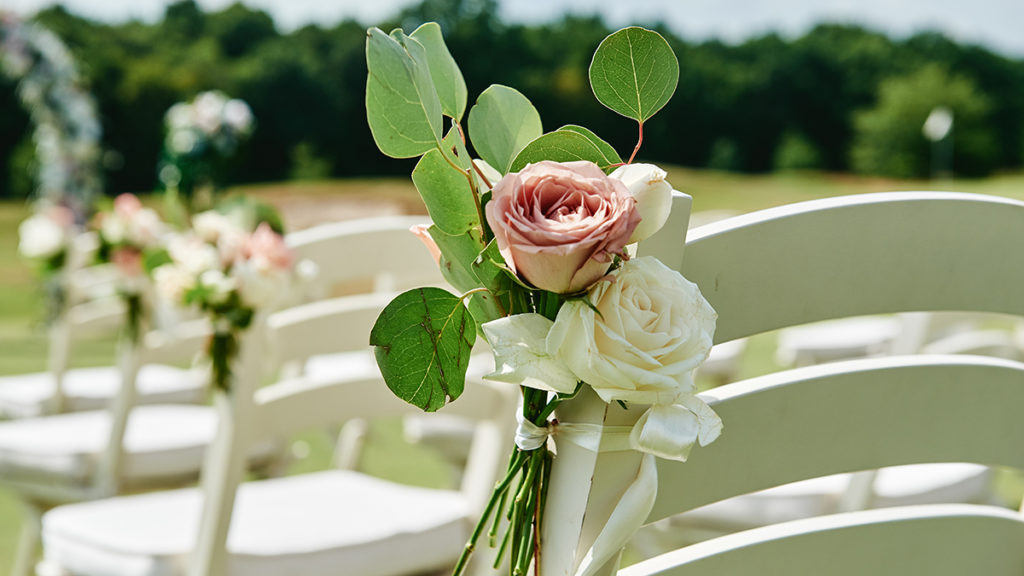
(127, 205)
(559, 224)
(128, 261)
(266, 249)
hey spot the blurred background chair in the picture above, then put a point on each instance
(331, 522)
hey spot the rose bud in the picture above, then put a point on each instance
(653, 196)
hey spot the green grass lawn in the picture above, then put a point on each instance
(23, 343)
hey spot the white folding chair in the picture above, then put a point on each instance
(91, 310)
(366, 255)
(811, 262)
(78, 456)
(332, 522)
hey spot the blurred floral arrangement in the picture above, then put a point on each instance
(230, 264)
(201, 138)
(131, 238)
(67, 129)
(537, 235)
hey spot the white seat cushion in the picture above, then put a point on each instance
(26, 395)
(327, 523)
(161, 441)
(895, 486)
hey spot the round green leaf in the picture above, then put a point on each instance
(634, 72)
(610, 155)
(446, 194)
(501, 123)
(559, 146)
(422, 341)
(445, 73)
(402, 107)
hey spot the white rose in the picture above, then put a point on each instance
(113, 228)
(237, 115)
(179, 116)
(145, 228)
(41, 237)
(653, 196)
(208, 108)
(210, 225)
(653, 329)
(219, 286)
(192, 254)
(260, 286)
(171, 282)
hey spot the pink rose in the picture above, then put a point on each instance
(559, 224)
(266, 249)
(128, 261)
(127, 204)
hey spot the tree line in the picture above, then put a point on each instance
(838, 98)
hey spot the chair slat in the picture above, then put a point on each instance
(849, 416)
(362, 249)
(950, 540)
(857, 255)
(325, 327)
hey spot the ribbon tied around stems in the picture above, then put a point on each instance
(664, 430)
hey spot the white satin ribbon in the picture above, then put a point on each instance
(666, 431)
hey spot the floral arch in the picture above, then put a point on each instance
(67, 130)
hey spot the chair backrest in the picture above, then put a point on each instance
(371, 254)
(252, 414)
(868, 254)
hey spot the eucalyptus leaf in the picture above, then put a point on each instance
(446, 193)
(402, 107)
(610, 155)
(422, 341)
(458, 251)
(634, 72)
(501, 123)
(448, 81)
(560, 146)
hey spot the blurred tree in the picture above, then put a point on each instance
(888, 137)
(238, 29)
(796, 152)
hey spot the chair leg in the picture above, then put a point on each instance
(28, 542)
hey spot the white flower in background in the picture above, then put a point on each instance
(218, 286)
(209, 108)
(113, 228)
(171, 282)
(644, 333)
(238, 115)
(183, 141)
(192, 254)
(46, 233)
(179, 116)
(653, 196)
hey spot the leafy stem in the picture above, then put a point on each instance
(639, 141)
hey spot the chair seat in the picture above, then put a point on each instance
(161, 442)
(326, 523)
(26, 395)
(895, 486)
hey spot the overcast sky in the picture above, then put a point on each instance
(994, 23)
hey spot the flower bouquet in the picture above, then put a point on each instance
(45, 239)
(131, 238)
(229, 269)
(536, 234)
(201, 138)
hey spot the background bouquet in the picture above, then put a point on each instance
(229, 266)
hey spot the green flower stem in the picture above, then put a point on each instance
(518, 459)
